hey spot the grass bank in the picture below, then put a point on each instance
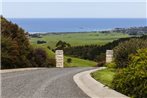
(75, 62)
(104, 76)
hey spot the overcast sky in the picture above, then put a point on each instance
(74, 9)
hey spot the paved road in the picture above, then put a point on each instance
(42, 83)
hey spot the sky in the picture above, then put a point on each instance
(74, 8)
(73, 0)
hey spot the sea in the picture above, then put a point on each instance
(58, 25)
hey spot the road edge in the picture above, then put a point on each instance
(18, 70)
(93, 88)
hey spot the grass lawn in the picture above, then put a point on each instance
(104, 76)
(76, 62)
(79, 39)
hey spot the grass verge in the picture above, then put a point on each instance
(104, 76)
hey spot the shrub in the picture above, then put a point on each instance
(69, 60)
(124, 49)
(49, 47)
(40, 42)
(16, 51)
(51, 62)
(15, 45)
(111, 65)
(39, 57)
(101, 57)
(9, 52)
(132, 80)
(101, 63)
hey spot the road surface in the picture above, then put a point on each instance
(42, 83)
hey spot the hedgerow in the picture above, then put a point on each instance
(132, 81)
(124, 49)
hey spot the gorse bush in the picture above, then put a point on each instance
(16, 51)
(9, 52)
(132, 80)
(15, 45)
(39, 58)
(124, 49)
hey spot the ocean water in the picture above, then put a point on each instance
(57, 25)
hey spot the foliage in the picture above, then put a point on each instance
(49, 47)
(100, 63)
(132, 80)
(39, 58)
(51, 62)
(69, 60)
(111, 65)
(92, 52)
(16, 51)
(9, 52)
(16, 33)
(124, 49)
(41, 42)
(101, 57)
(62, 45)
(15, 45)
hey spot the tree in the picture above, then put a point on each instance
(62, 45)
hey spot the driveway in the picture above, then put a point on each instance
(42, 83)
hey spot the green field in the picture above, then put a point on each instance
(75, 39)
(78, 39)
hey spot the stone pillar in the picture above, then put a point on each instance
(59, 58)
(109, 56)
